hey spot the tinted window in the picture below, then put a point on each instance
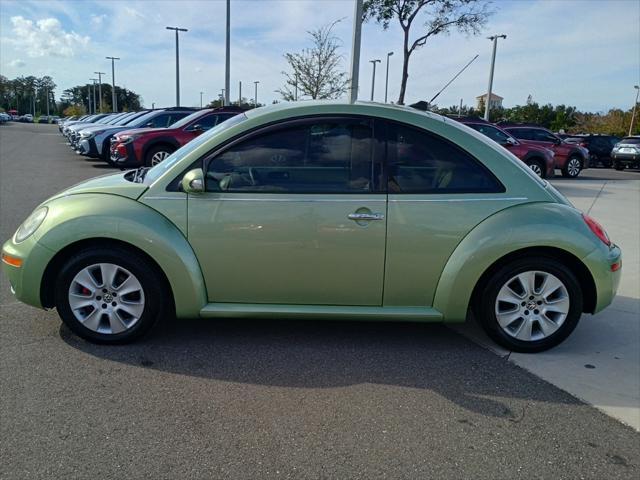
(207, 122)
(159, 121)
(631, 140)
(522, 133)
(492, 132)
(542, 136)
(419, 162)
(323, 157)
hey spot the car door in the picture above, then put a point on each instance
(437, 193)
(293, 214)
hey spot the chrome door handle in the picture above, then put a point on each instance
(365, 216)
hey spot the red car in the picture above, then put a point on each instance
(539, 159)
(150, 146)
(570, 158)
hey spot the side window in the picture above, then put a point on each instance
(491, 132)
(207, 122)
(174, 117)
(160, 120)
(224, 116)
(521, 133)
(419, 162)
(542, 136)
(324, 157)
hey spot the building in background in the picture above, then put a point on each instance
(496, 101)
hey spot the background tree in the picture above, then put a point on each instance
(317, 71)
(466, 16)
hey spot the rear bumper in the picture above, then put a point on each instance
(600, 264)
(626, 158)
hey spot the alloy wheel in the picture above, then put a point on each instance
(106, 298)
(158, 157)
(532, 305)
(536, 169)
(573, 167)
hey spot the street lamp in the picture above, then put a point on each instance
(386, 82)
(114, 101)
(227, 61)
(373, 76)
(100, 88)
(355, 50)
(201, 99)
(177, 29)
(255, 94)
(633, 115)
(494, 39)
(94, 80)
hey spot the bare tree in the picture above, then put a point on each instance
(467, 16)
(316, 72)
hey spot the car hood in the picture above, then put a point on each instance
(113, 183)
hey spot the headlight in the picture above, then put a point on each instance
(31, 224)
(127, 139)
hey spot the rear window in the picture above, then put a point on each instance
(631, 140)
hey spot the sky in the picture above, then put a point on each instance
(584, 53)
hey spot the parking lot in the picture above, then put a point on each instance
(286, 399)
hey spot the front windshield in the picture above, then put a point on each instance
(179, 154)
(132, 117)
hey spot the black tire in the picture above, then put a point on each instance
(167, 149)
(488, 293)
(618, 165)
(606, 162)
(539, 166)
(157, 303)
(568, 171)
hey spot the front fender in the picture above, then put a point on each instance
(79, 217)
(522, 226)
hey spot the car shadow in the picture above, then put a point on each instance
(330, 354)
(102, 166)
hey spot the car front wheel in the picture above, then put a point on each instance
(530, 305)
(537, 167)
(110, 295)
(157, 155)
(572, 168)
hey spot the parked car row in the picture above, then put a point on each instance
(142, 138)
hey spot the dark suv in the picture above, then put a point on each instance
(570, 158)
(599, 146)
(539, 159)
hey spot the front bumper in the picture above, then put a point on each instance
(626, 158)
(124, 161)
(26, 280)
(88, 147)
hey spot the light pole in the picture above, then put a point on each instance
(201, 99)
(114, 101)
(94, 80)
(633, 115)
(355, 50)
(494, 39)
(177, 29)
(48, 102)
(240, 93)
(373, 76)
(255, 94)
(100, 88)
(89, 97)
(227, 70)
(386, 82)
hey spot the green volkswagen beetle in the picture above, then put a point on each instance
(319, 210)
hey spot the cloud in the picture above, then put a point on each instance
(17, 63)
(46, 37)
(98, 20)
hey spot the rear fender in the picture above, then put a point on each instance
(523, 226)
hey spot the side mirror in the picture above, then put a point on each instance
(511, 141)
(193, 181)
(149, 125)
(196, 128)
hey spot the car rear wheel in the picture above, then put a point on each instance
(537, 167)
(530, 305)
(572, 168)
(110, 295)
(157, 154)
(618, 166)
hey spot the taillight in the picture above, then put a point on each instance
(597, 229)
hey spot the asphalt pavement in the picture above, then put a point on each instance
(271, 399)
